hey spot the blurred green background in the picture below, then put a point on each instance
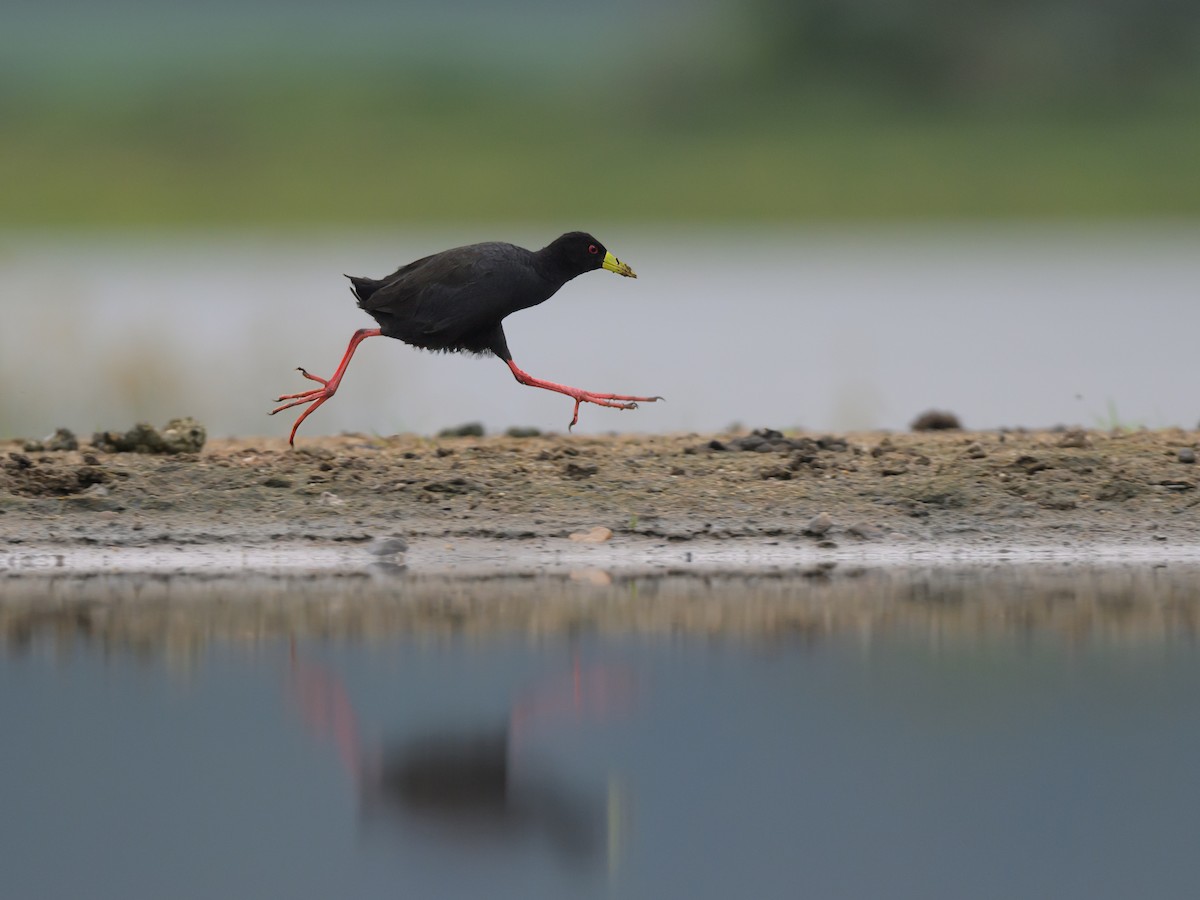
(273, 114)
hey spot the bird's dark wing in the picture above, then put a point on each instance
(455, 300)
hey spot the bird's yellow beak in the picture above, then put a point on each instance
(615, 265)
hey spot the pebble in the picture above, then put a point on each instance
(62, 439)
(866, 531)
(819, 524)
(597, 535)
(184, 435)
(1076, 437)
(1187, 455)
(387, 546)
(936, 420)
(469, 429)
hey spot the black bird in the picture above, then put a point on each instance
(456, 300)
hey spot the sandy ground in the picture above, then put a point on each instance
(1084, 535)
(983, 489)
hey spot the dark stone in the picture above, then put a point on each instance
(1187, 455)
(936, 420)
(1174, 484)
(469, 429)
(184, 435)
(20, 461)
(1030, 464)
(62, 439)
(450, 486)
(574, 470)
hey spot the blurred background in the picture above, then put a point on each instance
(842, 212)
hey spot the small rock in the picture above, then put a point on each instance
(1175, 484)
(574, 470)
(866, 531)
(277, 481)
(714, 444)
(975, 451)
(328, 498)
(1075, 437)
(518, 431)
(469, 429)
(1187, 455)
(387, 546)
(1030, 464)
(777, 473)
(597, 535)
(184, 435)
(819, 524)
(834, 444)
(936, 420)
(178, 436)
(449, 486)
(63, 439)
(20, 461)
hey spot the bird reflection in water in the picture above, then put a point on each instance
(481, 783)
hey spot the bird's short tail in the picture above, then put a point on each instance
(364, 287)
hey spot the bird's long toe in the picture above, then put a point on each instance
(310, 376)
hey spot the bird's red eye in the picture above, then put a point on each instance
(592, 248)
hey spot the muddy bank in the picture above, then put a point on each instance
(817, 491)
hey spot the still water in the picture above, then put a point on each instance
(818, 328)
(982, 741)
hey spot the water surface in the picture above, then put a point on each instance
(957, 734)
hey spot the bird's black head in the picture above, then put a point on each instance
(578, 252)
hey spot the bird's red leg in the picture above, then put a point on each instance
(317, 396)
(616, 401)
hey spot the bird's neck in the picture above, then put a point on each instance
(552, 268)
